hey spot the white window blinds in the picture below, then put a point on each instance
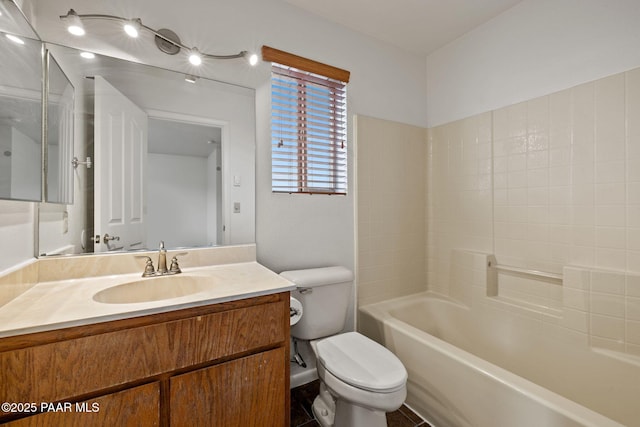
(308, 132)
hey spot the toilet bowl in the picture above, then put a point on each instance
(360, 380)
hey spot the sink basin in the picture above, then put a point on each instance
(154, 289)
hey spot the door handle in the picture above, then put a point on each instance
(106, 239)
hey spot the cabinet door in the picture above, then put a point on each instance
(244, 392)
(139, 406)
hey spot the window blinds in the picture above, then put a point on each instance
(309, 132)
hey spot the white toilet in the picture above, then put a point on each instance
(360, 380)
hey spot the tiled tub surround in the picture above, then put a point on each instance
(542, 184)
(57, 292)
(490, 357)
(391, 209)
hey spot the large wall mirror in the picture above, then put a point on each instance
(160, 156)
(20, 107)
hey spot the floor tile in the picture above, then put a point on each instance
(302, 415)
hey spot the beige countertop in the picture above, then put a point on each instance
(64, 303)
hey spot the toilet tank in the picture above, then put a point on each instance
(325, 294)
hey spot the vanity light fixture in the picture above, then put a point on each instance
(74, 24)
(166, 40)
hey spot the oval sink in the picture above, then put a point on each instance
(154, 289)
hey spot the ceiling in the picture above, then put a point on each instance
(182, 139)
(420, 26)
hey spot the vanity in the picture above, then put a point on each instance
(216, 355)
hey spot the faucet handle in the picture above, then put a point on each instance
(175, 268)
(148, 268)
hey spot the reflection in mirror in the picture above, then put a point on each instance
(59, 180)
(195, 195)
(171, 158)
(20, 118)
(13, 21)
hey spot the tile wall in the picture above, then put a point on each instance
(564, 182)
(604, 305)
(551, 184)
(391, 209)
(459, 194)
(588, 307)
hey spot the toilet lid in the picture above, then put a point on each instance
(361, 362)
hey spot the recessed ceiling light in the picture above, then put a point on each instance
(87, 55)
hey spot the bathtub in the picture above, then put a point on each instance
(480, 369)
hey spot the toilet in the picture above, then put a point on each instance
(360, 380)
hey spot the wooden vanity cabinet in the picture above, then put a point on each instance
(225, 364)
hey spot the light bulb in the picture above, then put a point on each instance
(76, 30)
(14, 39)
(253, 59)
(132, 27)
(194, 57)
(87, 55)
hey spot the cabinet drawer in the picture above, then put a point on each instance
(61, 370)
(139, 406)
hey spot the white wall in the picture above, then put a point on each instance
(533, 49)
(25, 173)
(16, 223)
(180, 219)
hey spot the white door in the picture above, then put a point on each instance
(120, 142)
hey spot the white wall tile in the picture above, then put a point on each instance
(608, 282)
(607, 304)
(562, 191)
(607, 327)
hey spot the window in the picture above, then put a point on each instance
(308, 128)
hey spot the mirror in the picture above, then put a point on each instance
(20, 107)
(59, 147)
(169, 159)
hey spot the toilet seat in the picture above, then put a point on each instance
(361, 362)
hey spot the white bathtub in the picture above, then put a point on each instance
(481, 370)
